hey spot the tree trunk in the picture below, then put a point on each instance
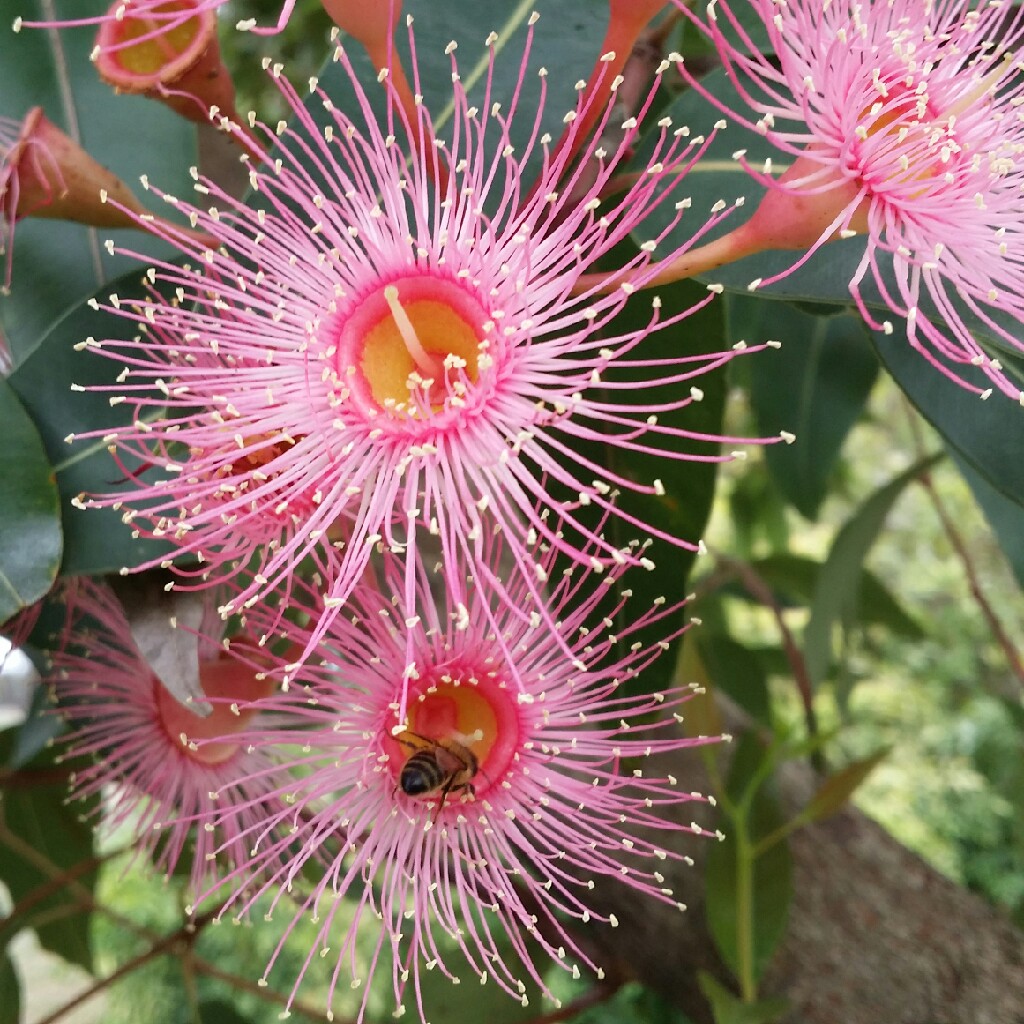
(875, 935)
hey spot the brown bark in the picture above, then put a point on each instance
(875, 935)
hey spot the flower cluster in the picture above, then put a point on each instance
(381, 360)
(488, 808)
(396, 410)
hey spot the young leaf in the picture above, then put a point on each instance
(837, 594)
(834, 792)
(730, 1009)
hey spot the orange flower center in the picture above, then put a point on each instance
(474, 709)
(224, 680)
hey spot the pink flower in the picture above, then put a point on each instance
(902, 120)
(495, 800)
(136, 736)
(371, 355)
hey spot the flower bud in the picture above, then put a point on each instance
(45, 173)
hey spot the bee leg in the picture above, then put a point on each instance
(444, 796)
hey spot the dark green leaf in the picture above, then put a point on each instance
(702, 717)
(719, 177)
(764, 915)
(815, 387)
(833, 793)
(632, 1004)
(689, 486)
(10, 990)
(39, 816)
(95, 541)
(738, 672)
(988, 435)
(837, 593)
(38, 729)
(793, 577)
(758, 513)
(58, 265)
(825, 277)
(30, 534)
(730, 1009)
(443, 1001)
(468, 999)
(1004, 516)
(567, 41)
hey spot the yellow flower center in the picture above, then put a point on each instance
(150, 56)
(417, 343)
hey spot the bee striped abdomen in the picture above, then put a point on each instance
(422, 773)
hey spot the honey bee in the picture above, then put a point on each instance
(436, 766)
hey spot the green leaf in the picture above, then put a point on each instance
(30, 533)
(834, 792)
(758, 513)
(837, 593)
(468, 998)
(730, 1009)
(36, 731)
(794, 577)
(95, 540)
(689, 486)
(10, 990)
(987, 435)
(58, 265)
(1004, 516)
(719, 177)
(761, 912)
(815, 387)
(633, 1003)
(702, 717)
(738, 672)
(39, 816)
